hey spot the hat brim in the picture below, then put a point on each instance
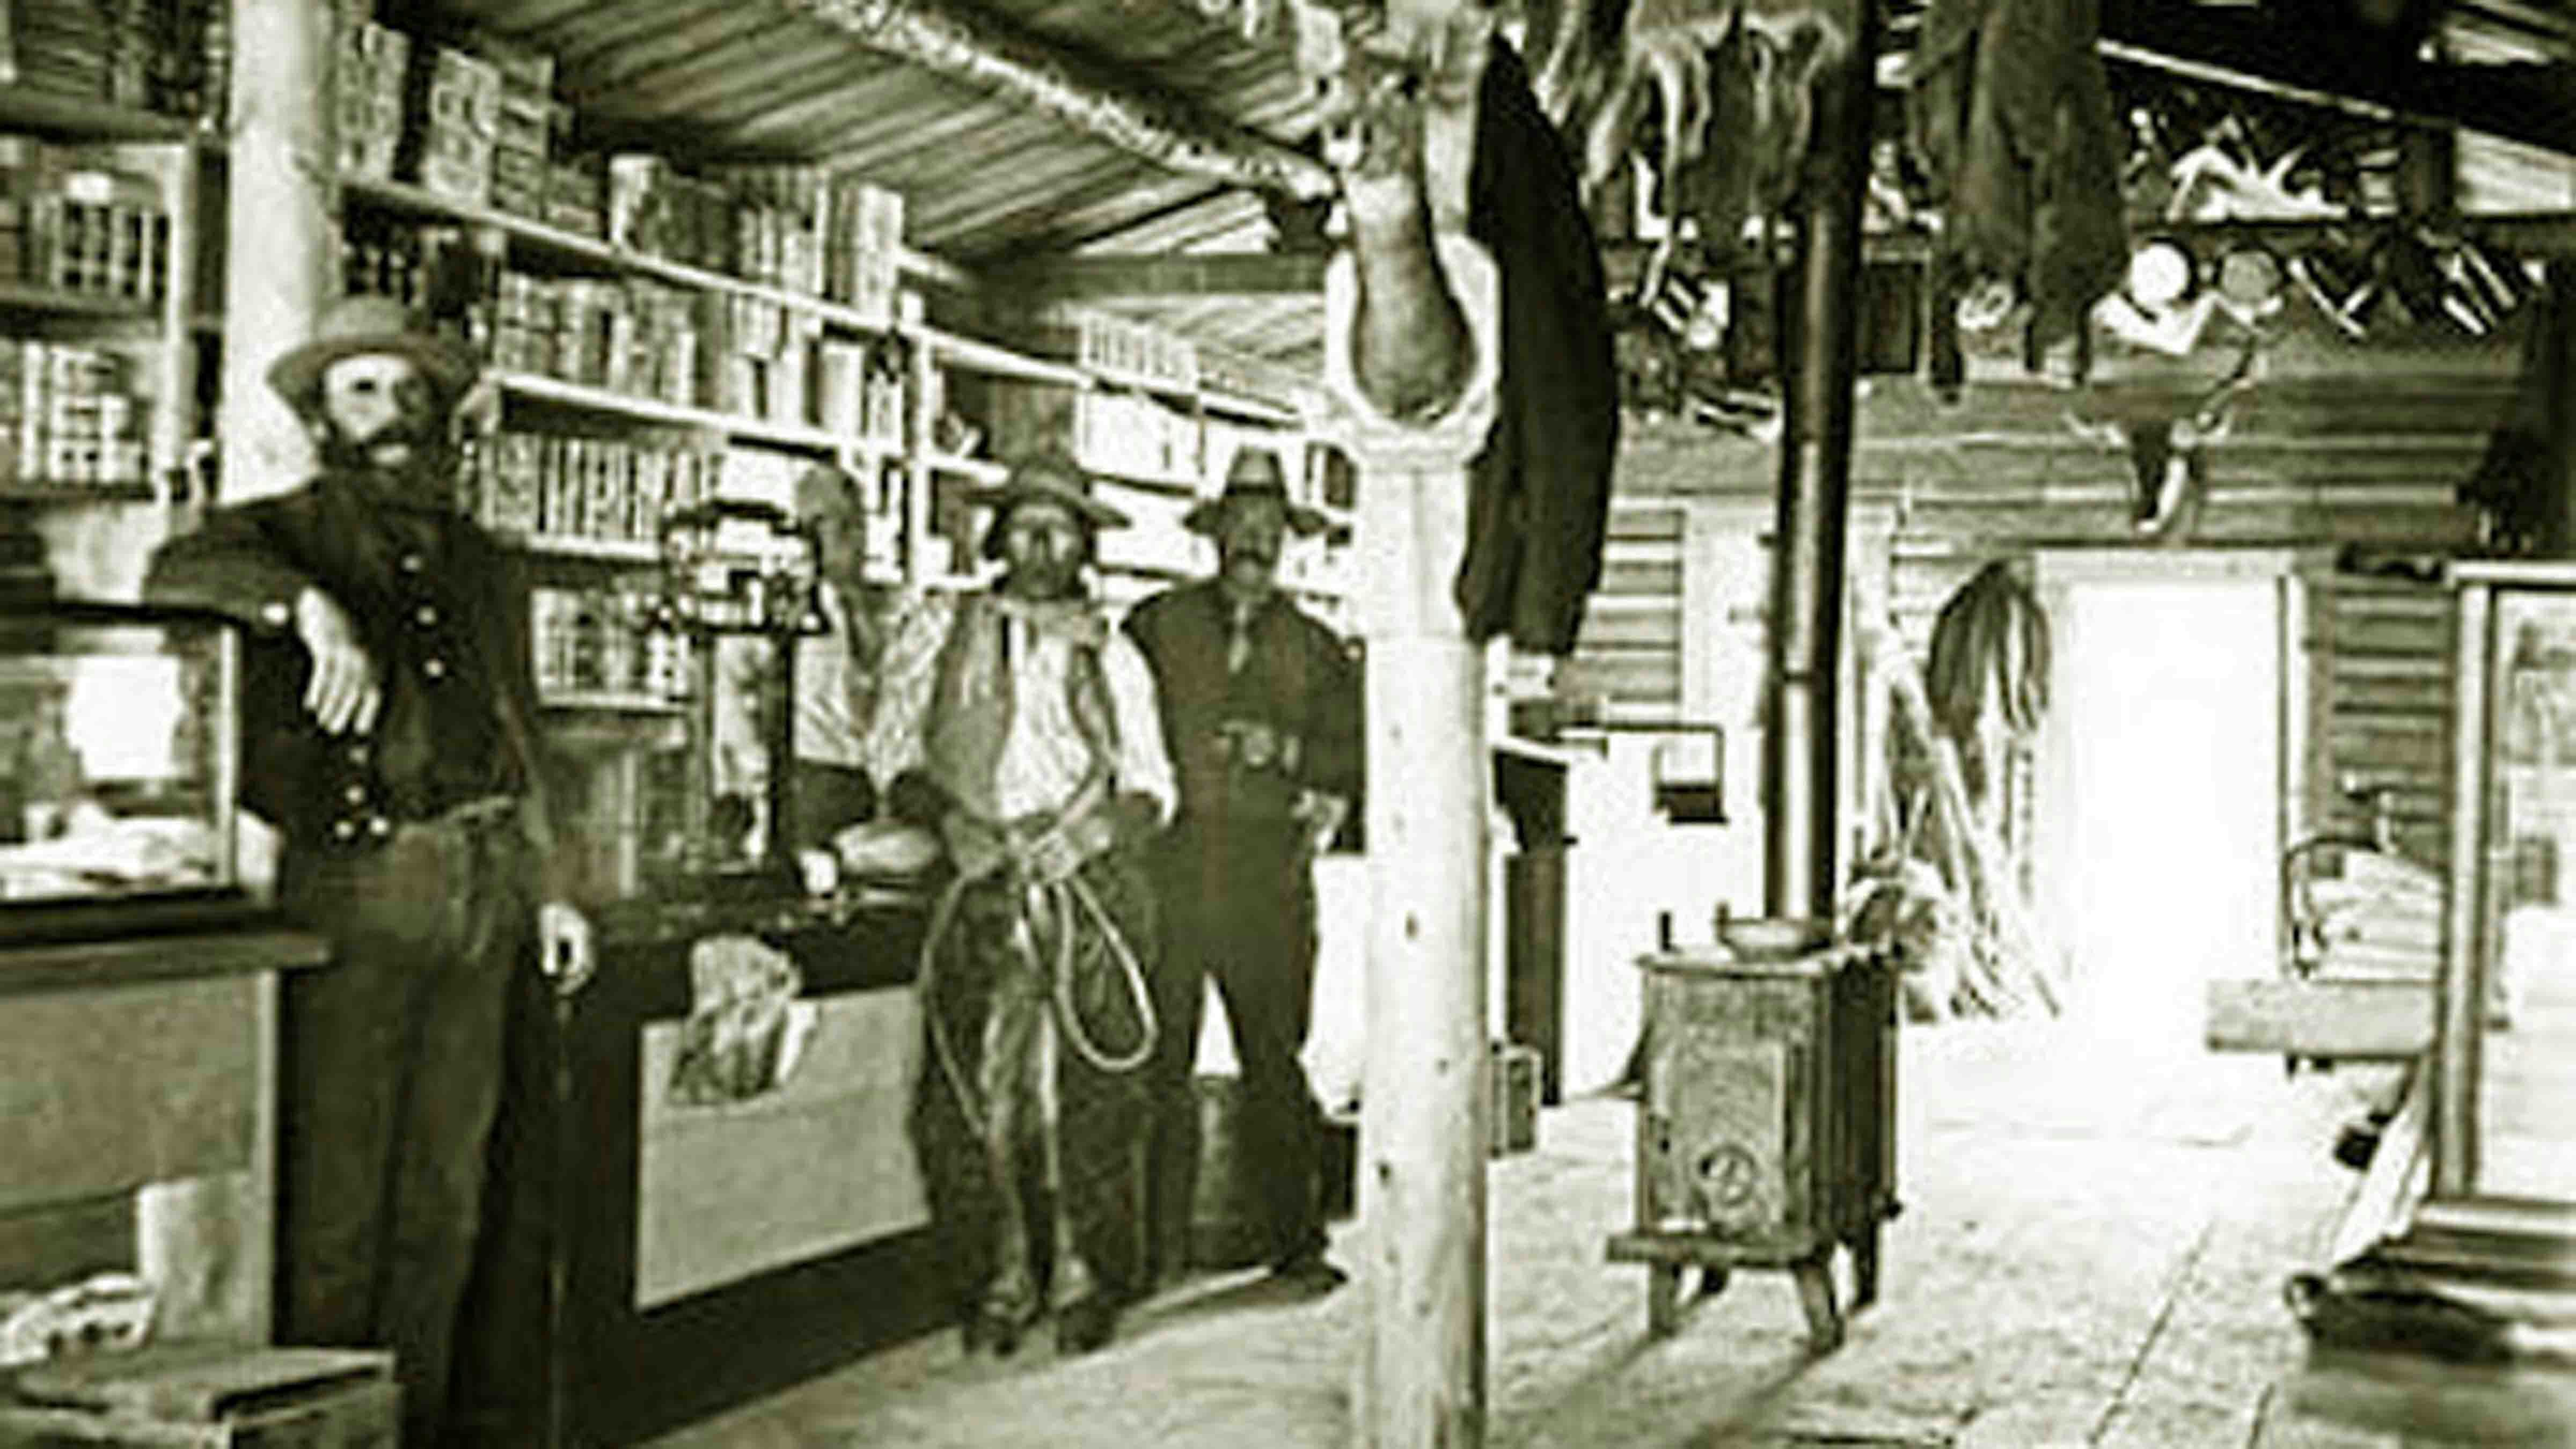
(1303, 521)
(297, 376)
(1048, 490)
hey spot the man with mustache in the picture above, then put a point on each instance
(1016, 722)
(389, 727)
(1261, 710)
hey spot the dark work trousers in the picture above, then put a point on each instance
(391, 1072)
(1243, 913)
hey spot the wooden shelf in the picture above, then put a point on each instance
(1140, 381)
(41, 490)
(565, 545)
(30, 297)
(25, 109)
(600, 701)
(1238, 405)
(982, 470)
(645, 409)
(1173, 487)
(538, 236)
(978, 356)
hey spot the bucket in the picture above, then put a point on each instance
(1227, 1227)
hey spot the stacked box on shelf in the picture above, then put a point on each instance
(655, 209)
(641, 202)
(19, 179)
(81, 225)
(600, 641)
(76, 418)
(765, 368)
(373, 61)
(523, 122)
(1136, 435)
(867, 243)
(1132, 350)
(214, 68)
(840, 384)
(432, 269)
(459, 123)
(635, 336)
(592, 488)
(63, 47)
(577, 194)
(778, 216)
(175, 54)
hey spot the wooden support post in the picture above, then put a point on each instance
(1799, 755)
(1420, 1378)
(207, 1244)
(281, 213)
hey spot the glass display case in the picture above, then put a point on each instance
(2506, 1024)
(117, 758)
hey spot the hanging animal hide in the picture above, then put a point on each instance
(1730, 84)
(2011, 120)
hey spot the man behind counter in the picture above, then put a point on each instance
(388, 720)
(1260, 706)
(836, 670)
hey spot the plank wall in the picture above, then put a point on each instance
(2318, 465)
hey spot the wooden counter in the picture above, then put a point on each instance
(137, 1116)
(650, 1261)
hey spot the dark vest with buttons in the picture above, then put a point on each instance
(436, 602)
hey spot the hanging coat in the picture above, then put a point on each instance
(2010, 115)
(2523, 481)
(1540, 491)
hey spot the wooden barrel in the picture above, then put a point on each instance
(1227, 1229)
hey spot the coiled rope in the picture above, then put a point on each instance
(1062, 902)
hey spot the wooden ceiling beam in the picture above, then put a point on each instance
(1164, 129)
(2351, 68)
(1102, 279)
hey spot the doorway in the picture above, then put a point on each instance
(2163, 778)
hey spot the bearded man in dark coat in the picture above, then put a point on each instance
(389, 726)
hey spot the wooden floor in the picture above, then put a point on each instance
(2092, 1252)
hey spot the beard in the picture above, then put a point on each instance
(424, 478)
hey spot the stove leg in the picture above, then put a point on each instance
(1864, 1251)
(1663, 1299)
(1816, 1294)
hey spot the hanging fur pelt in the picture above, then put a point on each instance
(1989, 650)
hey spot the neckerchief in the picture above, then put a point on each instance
(971, 706)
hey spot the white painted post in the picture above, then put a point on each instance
(281, 215)
(207, 1244)
(1420, 1378)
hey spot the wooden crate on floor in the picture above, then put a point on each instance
(207, 1397)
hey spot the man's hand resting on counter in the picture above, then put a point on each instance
(564, 951)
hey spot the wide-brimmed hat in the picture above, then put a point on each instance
(354, 326)
(1050, 477)
(1255, 474)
